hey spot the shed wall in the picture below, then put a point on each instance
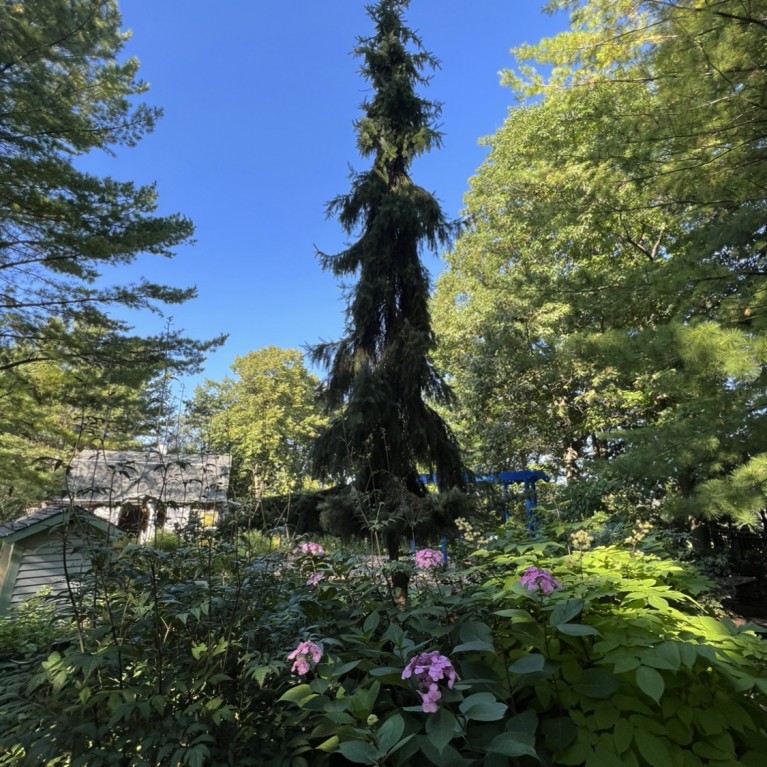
(42, 564)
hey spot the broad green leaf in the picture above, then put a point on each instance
(441, 727)
(512, 744)
(559, 732)
(655, 660)
(474, 646)
(595, 683)
(529, 633)
(344, 668)
(259, 674)
(393, 634)
(623, 661)
(632, 703)
(329, 745)
(392, 674)
(565, 611)
(299, 695)
(448, 757)
(362, 700)
(652, 748)
(710, 721)
(530, 664)
(515, 613)
(713, 628)
(475, 637)
(605, 715)
(576, 629)
(577, 753)
(688, 654)
(525, 723)
(670, 652)
(659, 603)
(483, 707)
(335, 716)
(650, 682)
(371, 622)
(679, 732)
(623, 734)
(359, 752)
(390, 732)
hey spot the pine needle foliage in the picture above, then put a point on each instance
(381, 380)
(67, 90)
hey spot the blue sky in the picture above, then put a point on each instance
(259, 101)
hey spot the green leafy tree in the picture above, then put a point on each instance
(616, 250)
(381, 379)
(538, 266)
(266, 418)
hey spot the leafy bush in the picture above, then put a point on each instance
(170, 670)
(32, 627)
(210, 654)
(616, 665)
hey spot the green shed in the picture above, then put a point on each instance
(48, 548)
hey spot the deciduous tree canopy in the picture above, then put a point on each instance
(608, 298)
(266, 418)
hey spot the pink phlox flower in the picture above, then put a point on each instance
(430, 668)
(426, 558)
(535, 578)
(310, 549)
(301, 655)
(313, 580)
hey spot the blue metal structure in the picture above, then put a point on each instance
(526, 477)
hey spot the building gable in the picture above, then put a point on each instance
(52, 547)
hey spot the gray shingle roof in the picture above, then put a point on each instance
(45, 517)
(130, 476)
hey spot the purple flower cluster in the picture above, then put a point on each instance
(300, 657)
(536, 579)
(310, 549)
(426, 558)
(430, 668)
(313, 580)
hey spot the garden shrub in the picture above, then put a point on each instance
(538, 652)
(598, 657)
(168, 668)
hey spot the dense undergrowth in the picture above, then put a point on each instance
(545, 651)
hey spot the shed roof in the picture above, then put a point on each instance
(47, 517)
(130, 476)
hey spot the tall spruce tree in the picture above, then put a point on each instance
(381, 381)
